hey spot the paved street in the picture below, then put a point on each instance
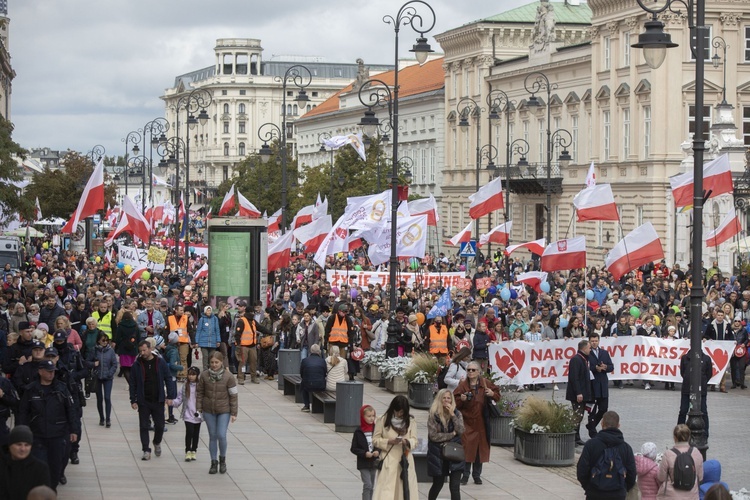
(277, 451)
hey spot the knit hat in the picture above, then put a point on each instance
(205, 309)
(159, 341)
(412, 318)
(649, 450)
(173, 338)
(21, 434)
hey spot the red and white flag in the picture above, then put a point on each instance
(463, 236)
(312, 235)
(533, 278)
(274, 222)
(638, 247)
(499, 234)
(91, 201)
(488, 199)
(280, 251)
(202, 272)
(112, 215)
(729, 227)
(717, 178)
(426, 206)
(181, 214)
(136, 273)
(337, 240)
(321, 208)
(535, 247)
(564, 255)
(132, 222)
(591, 176)
(247, 209)
(596, 203)
(304, 216)
(227, 206)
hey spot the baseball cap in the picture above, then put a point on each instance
(37, 344)
(48, 365)
(51, 351)
(24, 325)
(61, 335)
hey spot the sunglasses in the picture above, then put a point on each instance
(472, 370)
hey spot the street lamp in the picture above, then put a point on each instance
(133, 138)
(488, 152)
(719, 43)
(96, 153)
(655, 40)
(379, 93)
(169, 150)
(322, 137)
(156, 129)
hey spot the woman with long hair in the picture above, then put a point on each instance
(105, 366)
(217, 400)
(126, 343)
(444, 424)
(335, 368)
(395, 435)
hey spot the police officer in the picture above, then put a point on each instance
(47, 408)
(71, 371)
(8, 405)
(29, 371)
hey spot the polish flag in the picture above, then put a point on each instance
(499, 234)
(202, 272)
(488, 199)
(717, 178)
(91, 201)
(640, 246)
(535, 247)
(247, 209)
(564, 255)
(274, 222)
(596, 203)
(280, 251)
(181, 209)
(320, 209)
(135, 274)
(729, 227)
(312, 235)
(463, 236)
(228, 204)
(337, 240)
(591, 176)
(534, 279)
(428, 207)
(304, 216)
(132, 221)
(112, 215)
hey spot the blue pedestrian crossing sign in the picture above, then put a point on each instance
(468, 249)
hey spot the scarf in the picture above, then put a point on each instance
(216, 376)
(362, 424)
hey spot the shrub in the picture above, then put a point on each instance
(422, 369)
(539, 415)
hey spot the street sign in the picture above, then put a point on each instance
(97, 219)
(468, 249)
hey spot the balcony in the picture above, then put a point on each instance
(532, 179)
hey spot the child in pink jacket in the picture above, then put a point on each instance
(648, 471)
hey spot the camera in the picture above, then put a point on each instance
(196, 414)
(469, 396)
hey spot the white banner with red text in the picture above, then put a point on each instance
(634, 358)
(337, 277)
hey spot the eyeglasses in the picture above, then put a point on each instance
(472, 370)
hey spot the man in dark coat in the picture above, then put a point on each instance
(600, 363)
(313, 372)
(609, 437)
(579, 384)
(20, 471)
(706, 372)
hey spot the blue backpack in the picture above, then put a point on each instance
(609, 472)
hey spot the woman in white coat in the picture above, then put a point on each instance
(395, 435)
(457, 368)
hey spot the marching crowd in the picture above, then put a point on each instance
(69, 325)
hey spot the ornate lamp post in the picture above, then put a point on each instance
(155, 129)
(719, 43)
(374, 93)
(169, 150)
(133, 138)
(96, 153)
(655, 44)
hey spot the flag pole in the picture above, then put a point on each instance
(624, 242)
(713, 219)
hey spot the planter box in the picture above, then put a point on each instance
(371, 373)
(545, 449)
(397, 385)
(502, 432)
(420, 395)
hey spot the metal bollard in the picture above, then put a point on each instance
(349, 396)
(289, 361)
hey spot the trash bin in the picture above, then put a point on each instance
(289, 361)
(349, 396)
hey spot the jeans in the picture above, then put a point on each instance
(454, 485)
(206, 353)
(685, 406)
(303, 353)
(192, 436)
(103, 398)
(368, 482)
(217, 424)
(147, 411)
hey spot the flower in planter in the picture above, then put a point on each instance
(373, 358)
(394, 367)
(538, 415)
(422, 369)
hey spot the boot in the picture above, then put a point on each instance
(223, 465)
(214, 467)
(579, 442)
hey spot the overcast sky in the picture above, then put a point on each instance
(88, 72)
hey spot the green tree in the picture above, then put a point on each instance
(60, 190)
(10, 199)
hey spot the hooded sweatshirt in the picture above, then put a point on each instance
(593, 449)
(362, 442)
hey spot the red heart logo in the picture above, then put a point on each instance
(719, 358)
(519, 358)
(511, 362)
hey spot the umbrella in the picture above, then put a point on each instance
(405, 475)
(21, 232)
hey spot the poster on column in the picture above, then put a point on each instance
(635, 358)
(337, 277)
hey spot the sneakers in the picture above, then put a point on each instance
(146, 456)
(171, 420)
(188, 456)
(648, 386)
(306, 409)
(109, 424)
(477, 480)
(157, 450)
(192, 455)
(464, 481)
(241, 381)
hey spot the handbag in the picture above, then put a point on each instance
(267, 341)
(380, 462)
(453, 452)
(492, 410)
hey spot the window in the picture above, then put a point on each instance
(226, 109)
(479, 81)
(747, 43)
(290, 93)
(422, 166)
(526, 225)
(625, 133)
(638, 215)
(224, 92)
(225, 172)
(746, 124)
(526, 131)
(574, 134)
(243, 92)
(241, 127)
(455, 147)
(599, 233)
(706, 45)
(542, 132)
(309, 107)
(466, 81)
(226, 149)
(626, 49)
(424, 123)
(241, 108)
(432, 165)
(295, 110)
(607, 129)
(226, 127)
(706, 120)
(432, 122)
(606, 46)
(315, 94)
(590, 124)
(646, 132)
(241, 149)
(618, 226)
(454, 84)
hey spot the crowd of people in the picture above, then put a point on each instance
(70, 324)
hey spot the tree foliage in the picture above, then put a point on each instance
(10, 199)
(60, 190)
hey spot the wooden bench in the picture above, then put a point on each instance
(325, 402)
(293, 386)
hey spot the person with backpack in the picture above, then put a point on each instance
(606, 469)
(681, 468)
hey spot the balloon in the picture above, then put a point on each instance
(120, 265)
(335, 291)
(544, 287)
(357, 267)
(128, 268)
(106, 266)
(98, 259)
(462, 267)
(192, 249)
(45, 245)
(505, 294)
(38, 263)
(38, 257)
(414, 264)
(492, 290)
(420, 319)
(657, 320)
(563, 322)
(635, 312)
(589, 295)
(676, 309)
(354, 293)
(145, 275)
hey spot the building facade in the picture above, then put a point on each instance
(6, 69)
